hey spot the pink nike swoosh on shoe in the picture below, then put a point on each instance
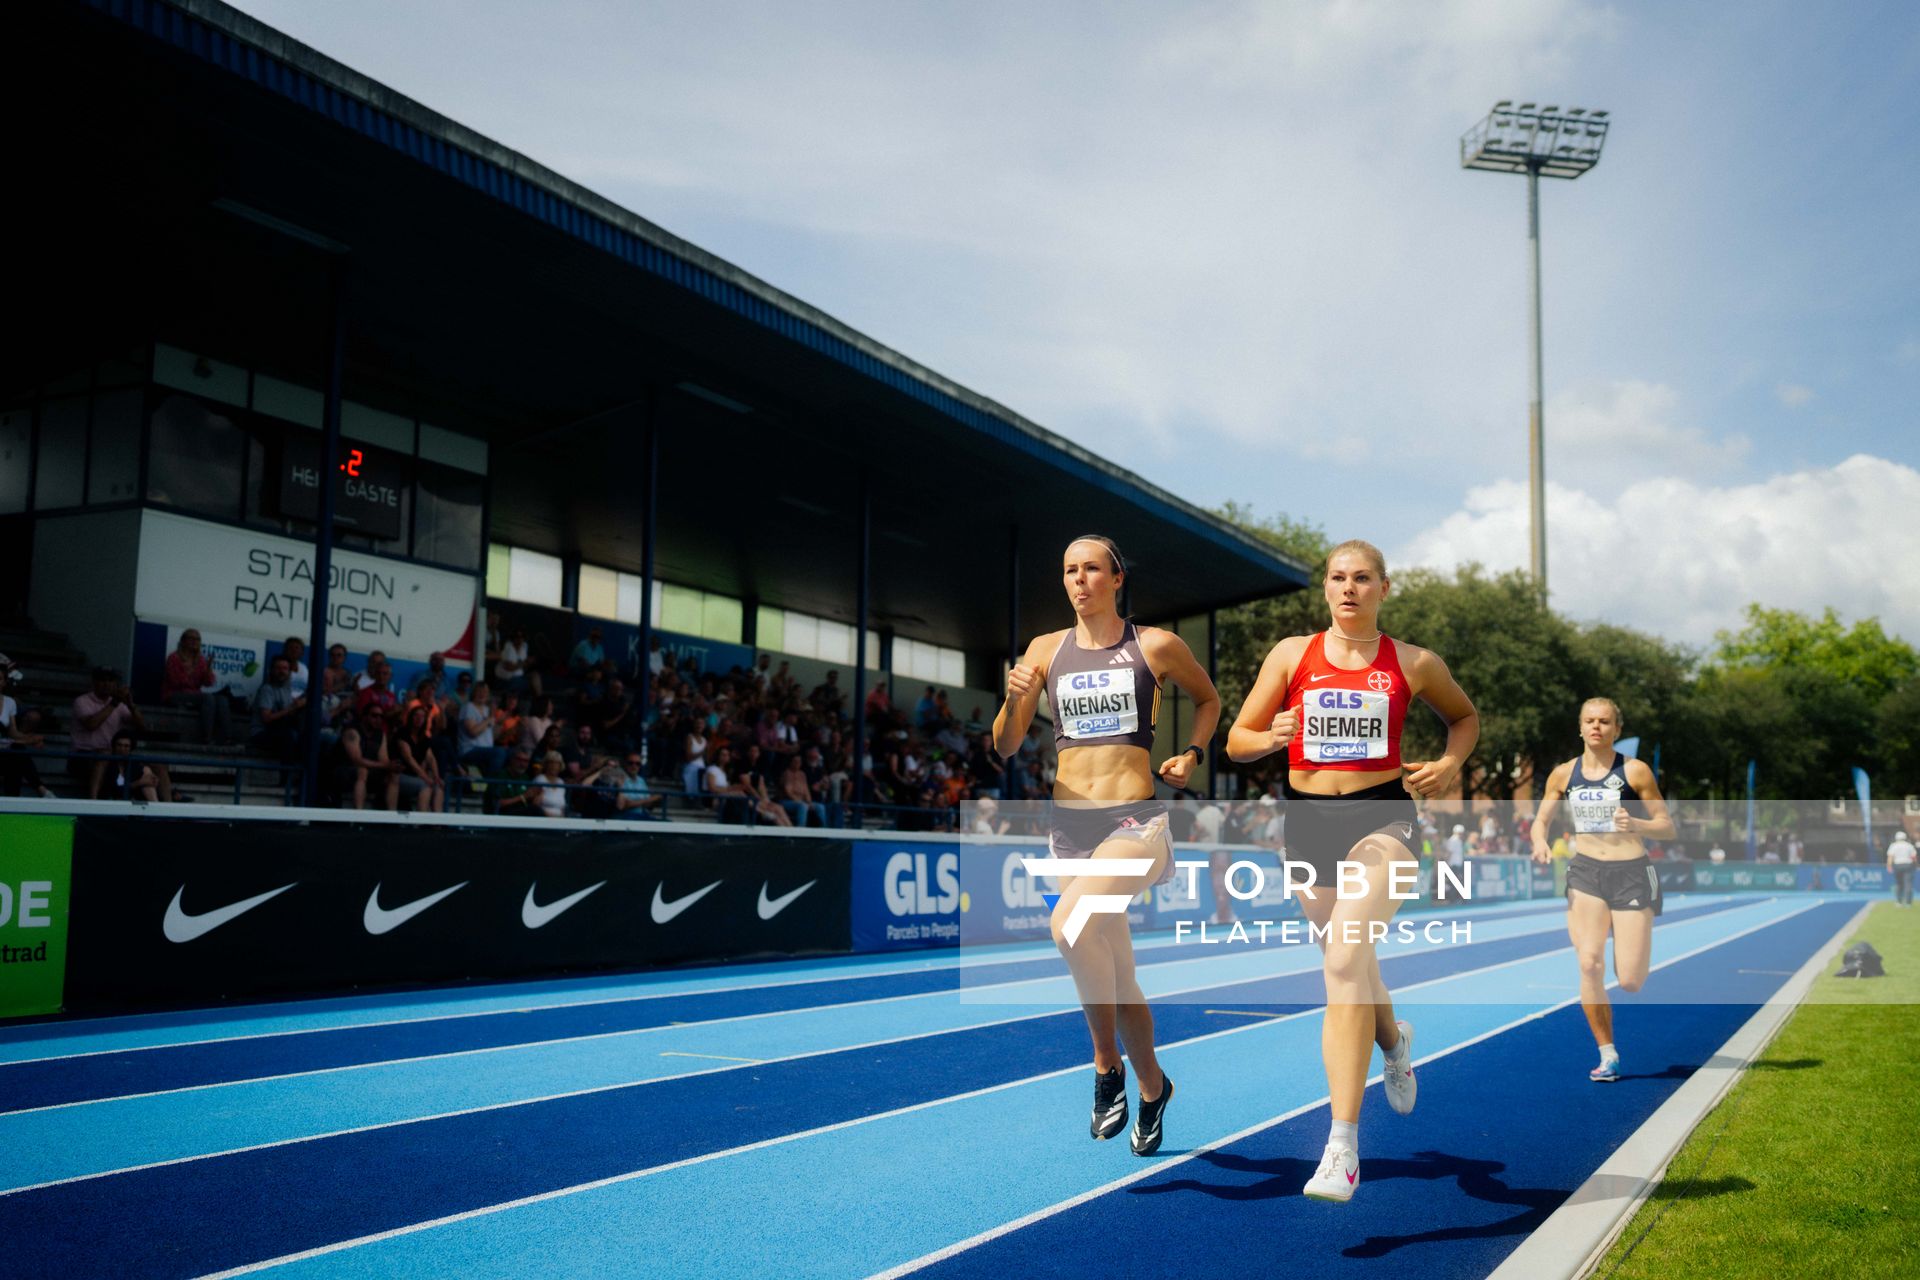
(1352, 1176)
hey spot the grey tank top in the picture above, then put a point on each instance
(1102, 697)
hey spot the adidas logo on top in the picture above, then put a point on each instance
(1121, 658)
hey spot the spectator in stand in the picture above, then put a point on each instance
(828, 699)
(587, 699)
(588, 655)
(1181, 819)
(763, 672)
(656, 658)
(983, 762)
(512, 792)
(295, 651)
(276, 714)
(507, 721)
(616, 725)
(476, 745)
(362, 762)
(17, 739)
(784, 689)
(188, 683)
(513, 670)
(753, 783)
(879, 703)
(336, 682)
(419, 775)
(98, 714)
(1207, 823)
(730, 798)
(796, 796)
(580, 752)
(635, 800)
(368, 675)
(376, 689)
(535, 726)
(986, 818)
(548, 741)
(926, 712)
(694, 770)
(137, 781)
(550, 788)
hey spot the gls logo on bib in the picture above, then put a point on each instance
(1592, 809)
(1096, 704)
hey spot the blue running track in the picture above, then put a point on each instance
(853, 1117)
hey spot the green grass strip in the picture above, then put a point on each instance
(1810, 1167)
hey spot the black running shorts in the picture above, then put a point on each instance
(1076, 833)
(1631, 884)
(1322, 830)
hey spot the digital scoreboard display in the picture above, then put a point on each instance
(367, 484)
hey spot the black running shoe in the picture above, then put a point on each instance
(1146, 1130)
(1109, 1103)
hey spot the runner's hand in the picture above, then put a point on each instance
(1022, 681)
(1622, 820)
(1177, 769)
(1285, 725)
(1542, 851)
(1429, 778)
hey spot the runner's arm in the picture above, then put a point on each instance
(1257, 730)
(1024, 683)
(1658, 823)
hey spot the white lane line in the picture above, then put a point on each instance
(1006, 1228)
(1164, 967)
(1016, 953)
(705, 1071)
(718, 1057)
(764, 1143)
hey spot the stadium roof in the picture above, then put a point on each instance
(193, 163)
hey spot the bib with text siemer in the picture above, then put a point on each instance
(1343, 724)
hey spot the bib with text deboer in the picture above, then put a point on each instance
(1343, 724)
(1592, 808)
(1096, 704)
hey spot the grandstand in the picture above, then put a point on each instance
(560, 416)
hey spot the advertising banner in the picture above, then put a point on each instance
(1744, 876)
(248, 583)
(35, 868)
(1847, 878)
(1190, 895)
(906, 893)
(1004, 903)
(182, 912)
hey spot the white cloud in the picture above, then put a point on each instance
(1614, 435)
(1792, 394)
(1683, 558)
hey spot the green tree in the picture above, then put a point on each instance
(1862, 656)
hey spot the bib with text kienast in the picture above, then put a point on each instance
(1096, 704)
(1343, 724)
(1592, 809)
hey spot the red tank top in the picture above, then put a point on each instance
(1348, 719)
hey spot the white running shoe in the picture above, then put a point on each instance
(1337, 1176)
(1399, 1074)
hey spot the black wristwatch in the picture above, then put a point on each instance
(1199, 754)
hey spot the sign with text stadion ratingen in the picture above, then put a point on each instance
(36, 853)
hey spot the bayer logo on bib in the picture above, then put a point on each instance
(1344, 724)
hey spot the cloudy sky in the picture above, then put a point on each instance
(1230, 246)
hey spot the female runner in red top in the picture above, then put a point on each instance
(1336, 702)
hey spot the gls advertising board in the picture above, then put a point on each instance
(183, 912)
(35, 858)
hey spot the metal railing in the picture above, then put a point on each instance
(242, 766)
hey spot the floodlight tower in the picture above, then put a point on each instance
(1539, 142)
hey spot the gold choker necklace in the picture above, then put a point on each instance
(1335, 631)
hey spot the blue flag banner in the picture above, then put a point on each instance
(1656, 762)
(1864, 789)
(1628, 747)
(1753, 847)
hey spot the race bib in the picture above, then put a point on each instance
(1096, 704)
(1592, 809)
(1343, 724)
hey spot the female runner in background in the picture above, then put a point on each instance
(1611, 884)
(1336, 702)
(1102, 677)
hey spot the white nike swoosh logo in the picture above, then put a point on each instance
(1318, 679)
(768, 910)
(379, 919)
(664, 911)
(533, 915)
(181, 927)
